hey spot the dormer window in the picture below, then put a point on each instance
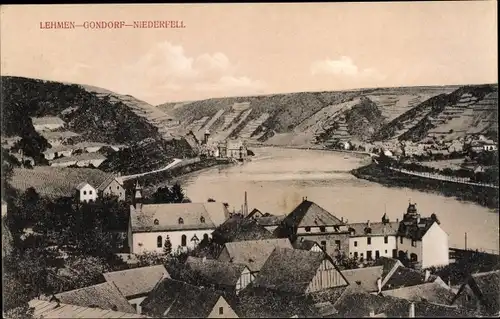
(181, 221)
(322, 229)
(368, 230)
(308, 229)
(202, 219)
(156, 222)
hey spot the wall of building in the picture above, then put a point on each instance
(147, 241)
(377, 243)
(136, 303)
(227, 311)
(317, 230)
(435, 247)
(114, 189)
(47, 127)
(327, 276)
(330, 241)
(406, 246)
(245, 278)
(87, 193)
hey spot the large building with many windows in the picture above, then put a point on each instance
(184, 225)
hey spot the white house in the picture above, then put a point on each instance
(370, 241)
(86, 192)
(422, 240)
(185, 224)
(47, 123)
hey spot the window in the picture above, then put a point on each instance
(90, 192)
(467, 297)
(413, 257)
(181, 221)
(157, 222)
(355, 244)
(221, 310)
(84, 192)
(323, 244)
(322, 229)
(369, 255)
(386, 251)
(337, 244)
(369, 241)
(159, 242)
(117, 187)
(202, 219)
(414, 243)
(183, 241)
(356, 254)
(308, 229)
(377, 254)
(400, 240)
(386, 240)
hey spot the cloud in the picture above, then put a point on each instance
(343, 67)
(218, 61)
(233, 85)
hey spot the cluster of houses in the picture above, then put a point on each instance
(288, 271)
(227, 148)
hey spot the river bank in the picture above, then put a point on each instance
(311, 147)
(487, 197)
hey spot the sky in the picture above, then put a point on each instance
(249, 49)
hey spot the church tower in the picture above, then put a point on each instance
(138, 196)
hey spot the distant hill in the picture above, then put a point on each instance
(98, 115)
(303, 118)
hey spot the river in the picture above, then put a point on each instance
(277, 179)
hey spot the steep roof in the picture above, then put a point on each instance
(254, 253)
(488, 284)
(194, 216)
(270, 220)
(388, 264)
(432, 292)
(180, 299)
(240, 229)
(365, 277)
(217, 211)
(137, 281)
(415, 229)
(47, 309)
(56, 181)
(104, 296)
(360, 304)
(290, 270)
(216, 272)
(377, 229)
(310, 214)
(254, 211)
(406, 277)
(263, 303)
(82, 185)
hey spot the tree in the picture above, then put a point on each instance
(177, 193)
(167, 247)
(163, 195)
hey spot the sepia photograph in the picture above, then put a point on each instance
(250, 160)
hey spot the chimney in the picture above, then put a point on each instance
(412, 311)
(379, 284)
(427, 275)
(368, 223)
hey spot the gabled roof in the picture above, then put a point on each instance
(415, 229)
(431, 291)
(310, 214)
(194, 216)
(180, 300)
(216, 272)
(137, 281)
(82, 185)
(238, 228)
(360, 305)
(488, 285)
(106, 182)
(263, 303)
(389, 265)
(376, 229)
(217, 211)
(290, 270)
(47, 309)
(254, 253)
(269, 220)
(254, 211)
(406, 277)
(105, 296)
(304, 244)
(365, 277)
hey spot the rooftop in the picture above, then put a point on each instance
(47, 120)
(365, 277)
(406, 277)
(105, 296)
(238, 228)
(79, 157)
(254, 253)
(290, 270)
(432, 292)
(216, 272)
(488, 284)
(137, 281)
(47, 309)
(162, 217)
(309, 214)
(374, 229)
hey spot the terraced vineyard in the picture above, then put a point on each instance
(252, 126)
